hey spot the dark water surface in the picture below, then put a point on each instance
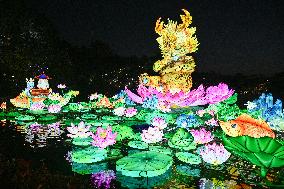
(40, 160)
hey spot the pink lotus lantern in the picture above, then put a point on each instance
(104, 137)
(130, 112)
(152, 135)
(201, 136)
(214, 154)
(81, 130)
(215, 94)
(159, 122)
(54, 108)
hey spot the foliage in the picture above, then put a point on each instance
(265, 152)
(144, 164)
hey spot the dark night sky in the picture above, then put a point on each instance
(236, 36)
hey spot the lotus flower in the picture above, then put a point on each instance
(201, 136)
(37, 106)
(119, 111)
(200, 113)
(180, 98)
(94, 96)
(215, 94)
(152, 135)
(159, 122)
(212, 122)
(195, 97)
(104, 137)
(103, 179)
(130, 112)
(214, 154)
(54, 108)
(61, 86)
(81, 131)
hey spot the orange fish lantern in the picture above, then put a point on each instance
(246, 125)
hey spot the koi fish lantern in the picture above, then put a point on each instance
(176, 42)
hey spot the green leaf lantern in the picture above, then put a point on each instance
(188, 157)
(182, 140)
(161, 149)
(138, 144)
(88, 155)
(24, 118)
(123, 132)
(46, 118)
(89, 116)
(265, 152)
(170, 118)
(144, 164)
(87, 168)
(82, 141)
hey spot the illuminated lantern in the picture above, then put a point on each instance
(176, 42)
(43, 81)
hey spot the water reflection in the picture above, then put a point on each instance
(36, 134)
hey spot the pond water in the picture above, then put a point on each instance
(38, 156)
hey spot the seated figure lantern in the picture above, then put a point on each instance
(42, 86)
(176, 42)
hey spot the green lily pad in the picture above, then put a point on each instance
(88, 168)
(144, 164)
(102, 110)
(89, 116)
(2, 114)
(74, 121)
(160, 149)
(182, 140)
(232, 99)
(101, 123)
(38, 112)
(88, 155)
(143, 182)
(111, 118)
(13, 114)
(82, 141)
(168, 117)
(138, 144)
(114, 153)
(74, 107)
(123, 132)
(47, 118)
(265, 152)
(188, 157)
(25, 118)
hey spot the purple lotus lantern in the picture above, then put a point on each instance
(103, 179)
